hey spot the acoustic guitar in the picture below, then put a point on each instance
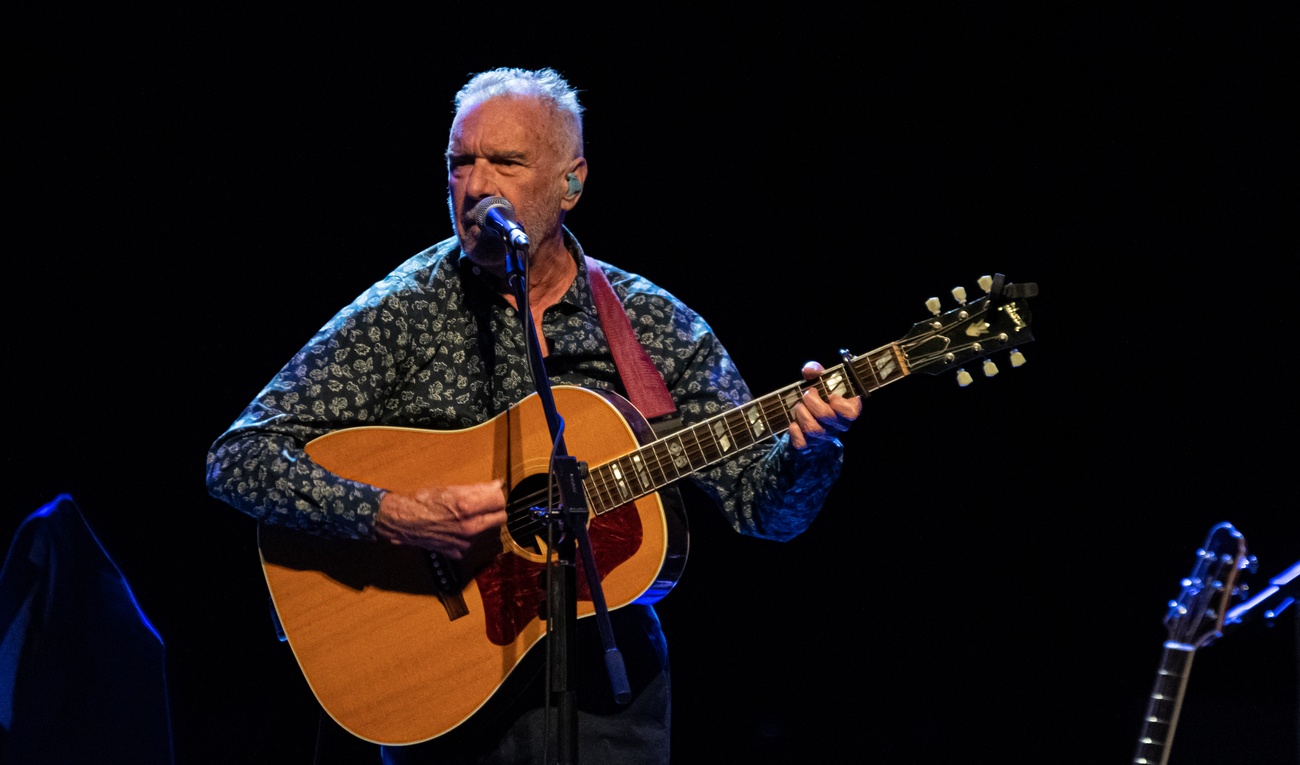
(399, 647)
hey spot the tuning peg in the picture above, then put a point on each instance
(960, 294)
(986, 283)
(990, 368)
(1017, 358)
(933, 305)
(963, 378)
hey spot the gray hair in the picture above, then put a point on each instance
(546, 85)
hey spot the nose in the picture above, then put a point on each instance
(480, 180)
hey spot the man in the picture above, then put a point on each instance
(438, 344)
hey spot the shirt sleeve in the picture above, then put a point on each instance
(770, 490)
(260, 464)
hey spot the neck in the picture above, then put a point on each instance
(550, 271)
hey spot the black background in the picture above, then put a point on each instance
(194, 190)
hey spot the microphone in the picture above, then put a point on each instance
(497, 214)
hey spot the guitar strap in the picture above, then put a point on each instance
(645, 386)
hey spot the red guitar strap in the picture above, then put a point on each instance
(645, 386)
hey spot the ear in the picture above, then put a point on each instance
(574, 178)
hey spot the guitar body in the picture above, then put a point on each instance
(397, 651)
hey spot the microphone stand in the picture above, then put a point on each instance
(562, 589)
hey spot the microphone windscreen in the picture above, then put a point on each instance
(482, 208)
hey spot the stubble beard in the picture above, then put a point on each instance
(486, 248)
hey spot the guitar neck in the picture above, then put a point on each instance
(1166, 700)
(692, 449)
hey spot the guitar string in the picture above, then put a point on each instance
(733, 422)
(658, 455)
(525, 522)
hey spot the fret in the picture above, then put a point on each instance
(680, 454)
(684, 453)
(775, 408)
(609, 485)
(702, 439)
(622, 480)
(779, 411)
(1162, 709)
(597, 487)
(770, 406)
(726, 433)
(635, 473)
(867, 372)
(705, 440)
(604, 501)
(677, 455)
(737, 428)
(788, 400)
(721, 439)
(649, 465)
(663, 459)
(755, 421)
(885, 366)
(642, 471)
(834, 381)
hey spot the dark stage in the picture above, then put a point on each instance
(195, 190)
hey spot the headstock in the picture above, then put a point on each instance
(999, 320)
(1196, 617)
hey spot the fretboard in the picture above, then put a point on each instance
(1162, 709)
(692, 449)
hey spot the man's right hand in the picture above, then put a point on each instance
(450, 520)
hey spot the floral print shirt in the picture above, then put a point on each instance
(433, 345)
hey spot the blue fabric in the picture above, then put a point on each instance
(82, 672)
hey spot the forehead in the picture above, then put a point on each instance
(505, 124)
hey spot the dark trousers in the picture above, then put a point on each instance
(514, 729)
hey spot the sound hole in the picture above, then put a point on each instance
(528, 508)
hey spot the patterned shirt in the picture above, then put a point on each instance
(433, 345)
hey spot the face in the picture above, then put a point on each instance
(512, 148)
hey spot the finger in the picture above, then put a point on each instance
(816, 405)
(808, 424)
(812, 370)
(797, 438)
(481, 522)
(847, 408)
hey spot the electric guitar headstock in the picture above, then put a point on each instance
(999, 320)
(1196, 617)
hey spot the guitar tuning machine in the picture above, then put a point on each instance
(985, 282)
(989, 368)
(934, 305)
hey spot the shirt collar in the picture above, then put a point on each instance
(578, 298)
